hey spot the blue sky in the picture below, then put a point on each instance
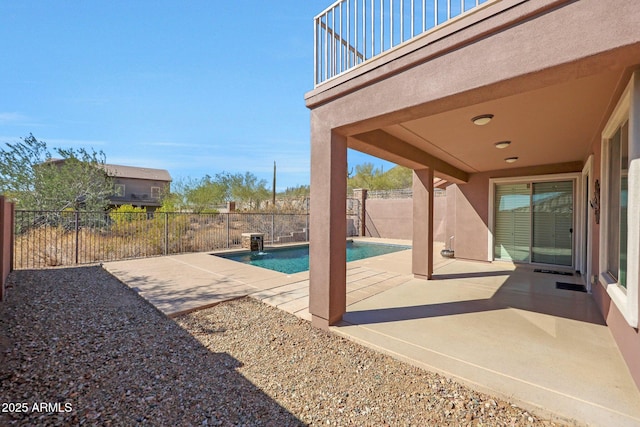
(194, 87)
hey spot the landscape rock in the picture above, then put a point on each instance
(78, 337)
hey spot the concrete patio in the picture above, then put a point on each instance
(500, 328)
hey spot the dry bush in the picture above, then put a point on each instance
(44, 246)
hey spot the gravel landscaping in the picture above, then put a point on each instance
(77, 347)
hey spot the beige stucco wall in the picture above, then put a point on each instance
(392, 218)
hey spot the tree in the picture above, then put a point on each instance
(398, 177)
(298, 192)
(36, 181)
(246, 188)
(371, 178)
(204, 195)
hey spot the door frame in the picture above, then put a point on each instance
(586, 220)
(575, 177)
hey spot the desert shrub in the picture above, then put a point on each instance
(127, 220)
(169, 225)
(127, 213)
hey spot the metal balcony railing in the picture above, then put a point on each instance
(350, 32)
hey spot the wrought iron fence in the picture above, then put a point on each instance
(49, 239)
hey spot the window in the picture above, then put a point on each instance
(119, 190)
(620, 204)
(617, 176)
(155, 192)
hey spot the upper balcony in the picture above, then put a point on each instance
(351, 33)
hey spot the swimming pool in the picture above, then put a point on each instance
(296, 259)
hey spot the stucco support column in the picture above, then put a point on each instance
(422, 261)
(327, 255)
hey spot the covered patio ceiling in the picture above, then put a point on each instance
(553, 124)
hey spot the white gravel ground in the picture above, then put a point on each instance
(77, 347)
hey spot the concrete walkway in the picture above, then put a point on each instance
(500, 328)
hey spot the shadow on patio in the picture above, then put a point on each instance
(507, 330)
(544, 298)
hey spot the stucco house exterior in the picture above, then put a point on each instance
(529, 109)
(138, 186)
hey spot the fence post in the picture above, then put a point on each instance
(12, 233)
(166, 233)
(228, 231)
(273, 228)
(77, 227)
(306, 228)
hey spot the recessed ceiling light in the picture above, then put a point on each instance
(502, 144)
(482, 119)
(511, 159)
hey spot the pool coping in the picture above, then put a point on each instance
(177, 284)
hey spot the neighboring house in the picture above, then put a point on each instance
(137, 186)
(140, 187)
(529, 109)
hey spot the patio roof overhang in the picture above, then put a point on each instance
(551, 125)
(550, 87)
(382, 144)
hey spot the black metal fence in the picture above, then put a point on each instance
(49, 239)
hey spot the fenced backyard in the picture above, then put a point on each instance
(51, 239)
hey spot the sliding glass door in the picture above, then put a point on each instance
(552, 223)
(534, 222)
(512, 231)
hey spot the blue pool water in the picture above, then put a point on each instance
(296, 259)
